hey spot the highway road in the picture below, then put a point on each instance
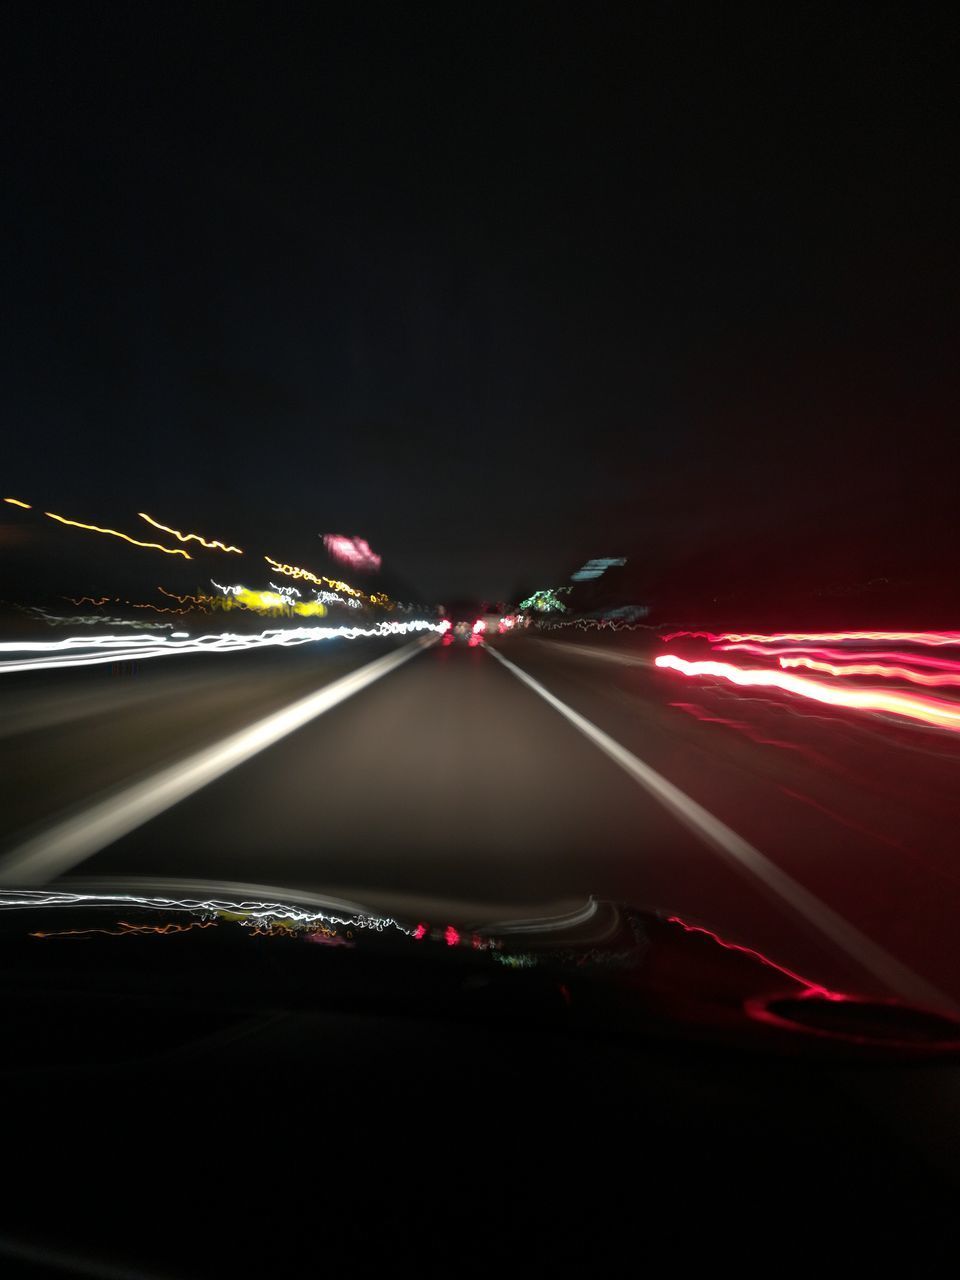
(474, 784)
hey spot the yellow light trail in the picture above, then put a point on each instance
(337, 585)
(188, 537)
(127, 930)
(156, 608)
(15, 502)
(133, 604)
(292, 571)
(197, 600)
(273, 603)
(94, 528)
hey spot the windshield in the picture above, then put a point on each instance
(472, 468)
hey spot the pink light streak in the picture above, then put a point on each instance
(933, 711)
(352, 551)
(908, 637)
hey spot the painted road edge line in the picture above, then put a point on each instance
(72, 840)
(869, 955)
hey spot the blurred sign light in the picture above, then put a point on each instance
(595, 568)
(545, 601)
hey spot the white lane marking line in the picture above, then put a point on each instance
(70, 841)
(871, 957)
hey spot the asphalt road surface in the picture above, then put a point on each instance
(492, 781)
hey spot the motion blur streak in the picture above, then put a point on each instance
(546, 924)
(599, 654)
(15, 502)
(701, 714)
(934, 711)
(128, 648)
(189, 537)
(69, 842)
(907, 637)
(93, 528)
(873, 669)
(810, 988)
(871, 957)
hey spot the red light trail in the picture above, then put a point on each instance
(874, 669)
(847, 655)
(933, 711)
(810, 988)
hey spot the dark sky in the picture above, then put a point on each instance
(497, 287)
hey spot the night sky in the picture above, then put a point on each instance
(498, 288)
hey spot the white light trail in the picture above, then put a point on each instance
(251, 910)
(95, 620)
(94, 650)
